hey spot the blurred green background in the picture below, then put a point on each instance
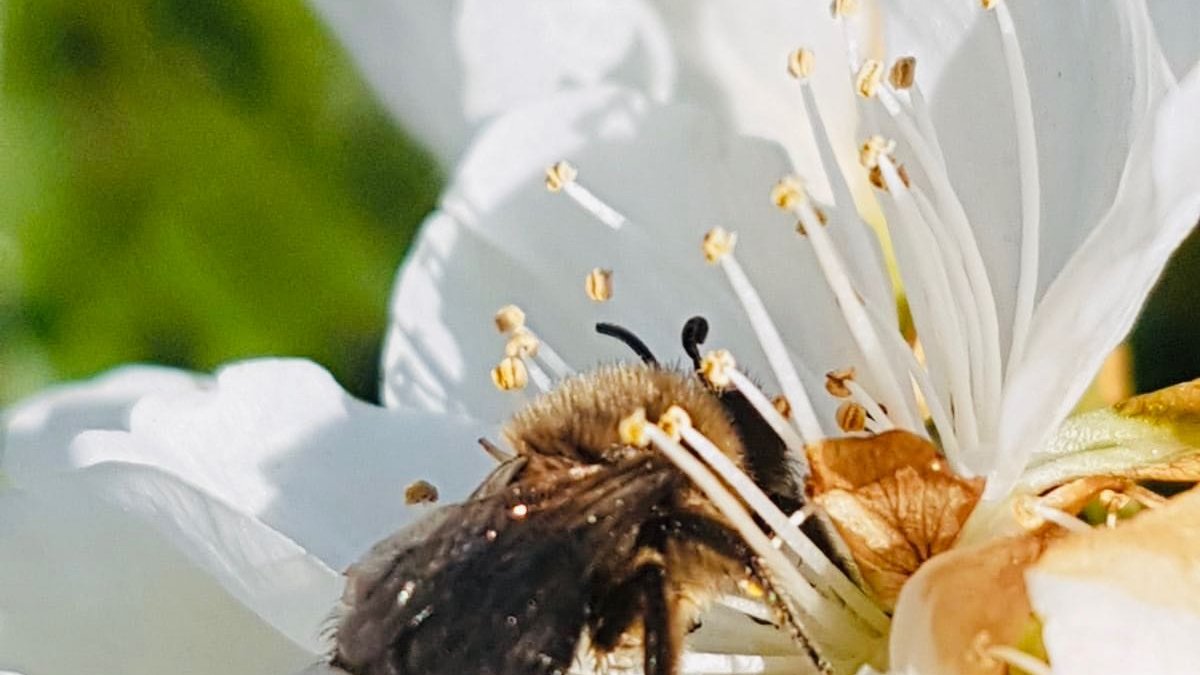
(193, 182)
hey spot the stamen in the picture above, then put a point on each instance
(509, 318)
(718, 246)
(946, 332)
(835, 382)
(420, 492)
(811, 557)
(800, 63)
(1027, 155)
(716, 367)
(1030, 512)
(781, 405)
(674, 421)
(870, 74)
(561, 177)
(598, 285)
(522, 343)
(840, 8)
(849, 301)
(510, 374)
(540, 379)
(879, 420)
(1016, 658)
(851, 417)
(963, 239)
(903, 73)
(833, 618)
(767, 410)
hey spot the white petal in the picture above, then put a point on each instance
(1175, 22)
(1095, 73)
(443, 66)
(1092, 304)
(503, 239)
(281, 440)
(38, 429)
(124, 569)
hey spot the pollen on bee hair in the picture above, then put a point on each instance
(510, 374)
(559, 174)
(599, 285)
(632, 429)
(509, 318)
(870, 74)
(903, 73)
(800, 63)
(718, 243)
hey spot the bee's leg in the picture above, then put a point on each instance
(696, 529)
(661, 643)
(616, 611)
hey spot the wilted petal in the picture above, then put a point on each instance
(443, 66)
(126, 569)
(501, 239)
(959, 603)
(38, 429)
(1091, 305)
(1124, 600)
(279, 439)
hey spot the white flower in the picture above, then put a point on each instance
(162, 522)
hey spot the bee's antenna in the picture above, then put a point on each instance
(630, 340)
(695, 332)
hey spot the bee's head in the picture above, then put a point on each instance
(580, 417)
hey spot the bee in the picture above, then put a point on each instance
(577, 539)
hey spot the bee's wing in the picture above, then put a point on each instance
(498, 585)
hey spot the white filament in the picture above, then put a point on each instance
(831, 620)
(767, 411)
(811, 558)
(1019, 659)
(768, 336)
(1030, 183)
(589, 202)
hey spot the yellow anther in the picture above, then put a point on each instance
(718, 243)
(1024, 508)
(835, 382)
(522, 343)
(420, 492)
(839, 8)
(599, 284)
(715, 367)
(558, 175)
(871, 150)
(989, 4)
(782, 406)
(674, 421)
(800, 63)
(632, 429)
(510, 374)
(870, 74)
(509, 318)
(875, 176)
(787, 193)
(851, 417)
(903, 73)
